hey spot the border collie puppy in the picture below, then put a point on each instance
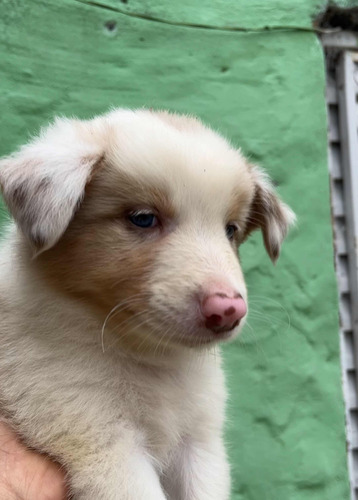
(119, 278)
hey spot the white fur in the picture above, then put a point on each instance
(126, 426)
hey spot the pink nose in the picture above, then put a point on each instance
(221, 312)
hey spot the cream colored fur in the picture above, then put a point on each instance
(102, 363)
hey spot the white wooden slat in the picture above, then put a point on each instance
(355, 71)
(342, 100)
(343, 282)
(348, 125)
(339, 40)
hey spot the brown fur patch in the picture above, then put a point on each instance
(256, 215)
(117, 192)
(104, 264)
(240, 205)
(265, 210)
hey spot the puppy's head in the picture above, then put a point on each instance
(141, 214)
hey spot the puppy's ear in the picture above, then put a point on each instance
(44, 182)
(268, 213)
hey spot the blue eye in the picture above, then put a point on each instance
(230, 231)
(143, 219)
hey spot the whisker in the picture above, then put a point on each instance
(258, 346)
(115, 310)
(131, 329)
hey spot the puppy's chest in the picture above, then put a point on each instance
(172, 405)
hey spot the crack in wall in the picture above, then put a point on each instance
(242, 29)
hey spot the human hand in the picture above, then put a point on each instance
(26, 475)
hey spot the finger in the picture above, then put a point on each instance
(28, 475)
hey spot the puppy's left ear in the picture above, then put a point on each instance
(268, 213)
(44, 183)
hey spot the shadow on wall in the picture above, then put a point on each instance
(338, 17)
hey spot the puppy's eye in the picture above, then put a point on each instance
(231, 231)
(143, 219)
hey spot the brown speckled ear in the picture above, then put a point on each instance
(44, 182)
(268, 213)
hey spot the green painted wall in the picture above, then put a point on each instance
(264, 88)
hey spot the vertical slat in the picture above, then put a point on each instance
(341, 100)
(348, 124)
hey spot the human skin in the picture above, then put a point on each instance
(26, 475)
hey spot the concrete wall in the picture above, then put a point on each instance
(264, 88)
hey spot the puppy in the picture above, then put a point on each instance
(118, 280)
